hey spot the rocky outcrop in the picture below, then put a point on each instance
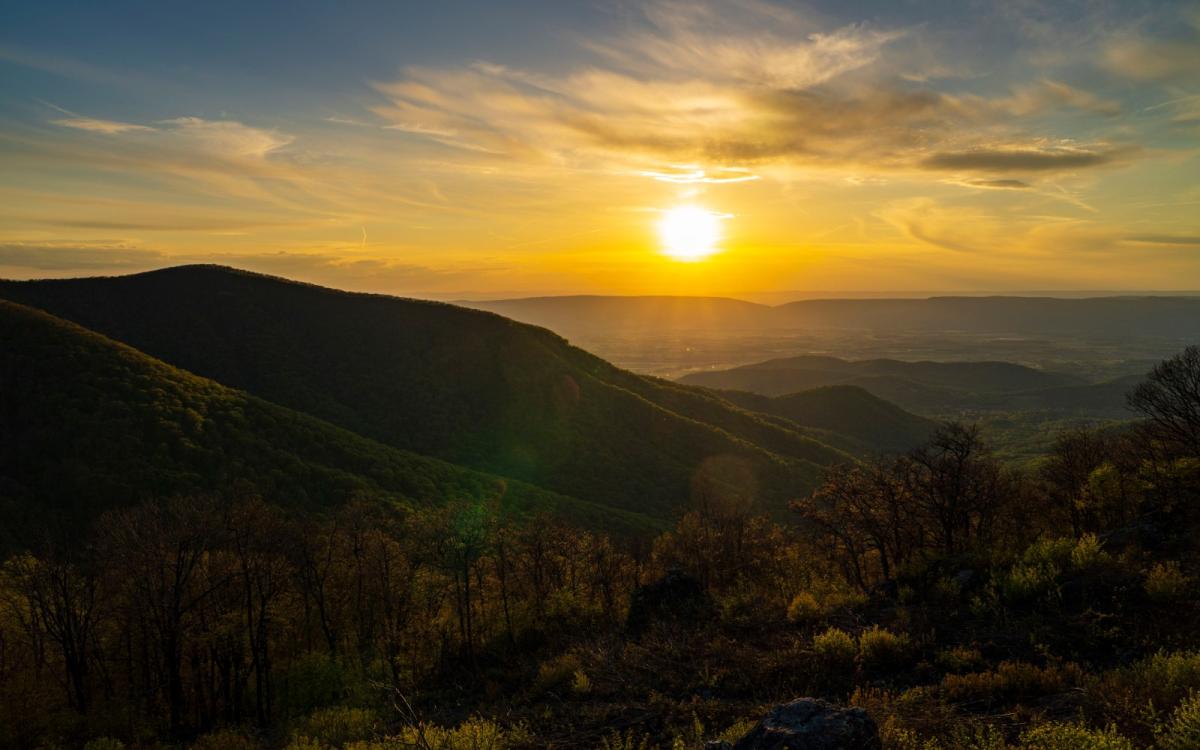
(809, 724)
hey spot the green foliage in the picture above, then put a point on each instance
(959, 659)
(337, 726)
(1165, 583)
(104, 743)
(1056, 736)
(1182, 731)
(882, 649)
(629, 740)
(835, 646)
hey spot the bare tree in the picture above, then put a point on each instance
(1170, 400)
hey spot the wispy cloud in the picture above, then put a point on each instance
(726, 89)
(108, 127)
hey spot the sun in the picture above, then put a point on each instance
(690, 233)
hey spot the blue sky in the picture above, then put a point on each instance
(536, 146)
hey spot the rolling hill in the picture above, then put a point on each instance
(873, 424)
(924, 387)
(461, 385)
(87, 423)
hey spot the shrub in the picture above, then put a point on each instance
(1088, 554)
(1182, 732)
(1135, 696)
(104, 743)
(1056, 736)
(473, 734)
(835, 646)
(336, 725)
(1165, 583)
(559, 673)
(1010, 681)
(959, 659)
(804, 608)
(736, 731)
(1025, 582)
(627, 741)
(882, 648)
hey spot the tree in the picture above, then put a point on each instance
(1170, 400)
(958, 486)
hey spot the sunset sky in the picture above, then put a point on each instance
(518, 148)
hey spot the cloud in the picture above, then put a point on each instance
(722, 88)
(1047, 96)
(227, 137)
(108, 127)
(1000, 184)
(1166, 239)
(1026, 159)
(68, 256)
(1142, 58)
(687, 174)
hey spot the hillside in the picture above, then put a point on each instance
(466, 386)
(87, 423)
(877, 425)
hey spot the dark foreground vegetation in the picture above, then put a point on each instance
(960, 602)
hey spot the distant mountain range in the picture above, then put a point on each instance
(338, 391)
(930, 388)
(1168, 317)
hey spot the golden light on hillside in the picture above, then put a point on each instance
(690, 233)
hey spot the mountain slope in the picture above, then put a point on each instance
(877, 425)
(466, 386)
(87, 423)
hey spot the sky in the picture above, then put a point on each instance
(485, 149)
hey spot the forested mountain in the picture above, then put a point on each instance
(874, 424)
(87, 424)
(462, 385)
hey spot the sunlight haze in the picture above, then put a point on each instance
(549, 148)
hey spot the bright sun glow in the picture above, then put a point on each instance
(690, 233)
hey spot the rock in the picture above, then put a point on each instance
(812, 724)
(676, 596)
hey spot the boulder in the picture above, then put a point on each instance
(676, 596)
(812, 724)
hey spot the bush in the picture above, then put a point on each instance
(804, 608)
(882, 648)
(959, 659)
(104, 743)
(563, 672)
(1073, 737)
(1011, 681)
(1165, 583)
(1182, 732)
(1088, 554)
(835, 646)
(337, 725)
(473, 734)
